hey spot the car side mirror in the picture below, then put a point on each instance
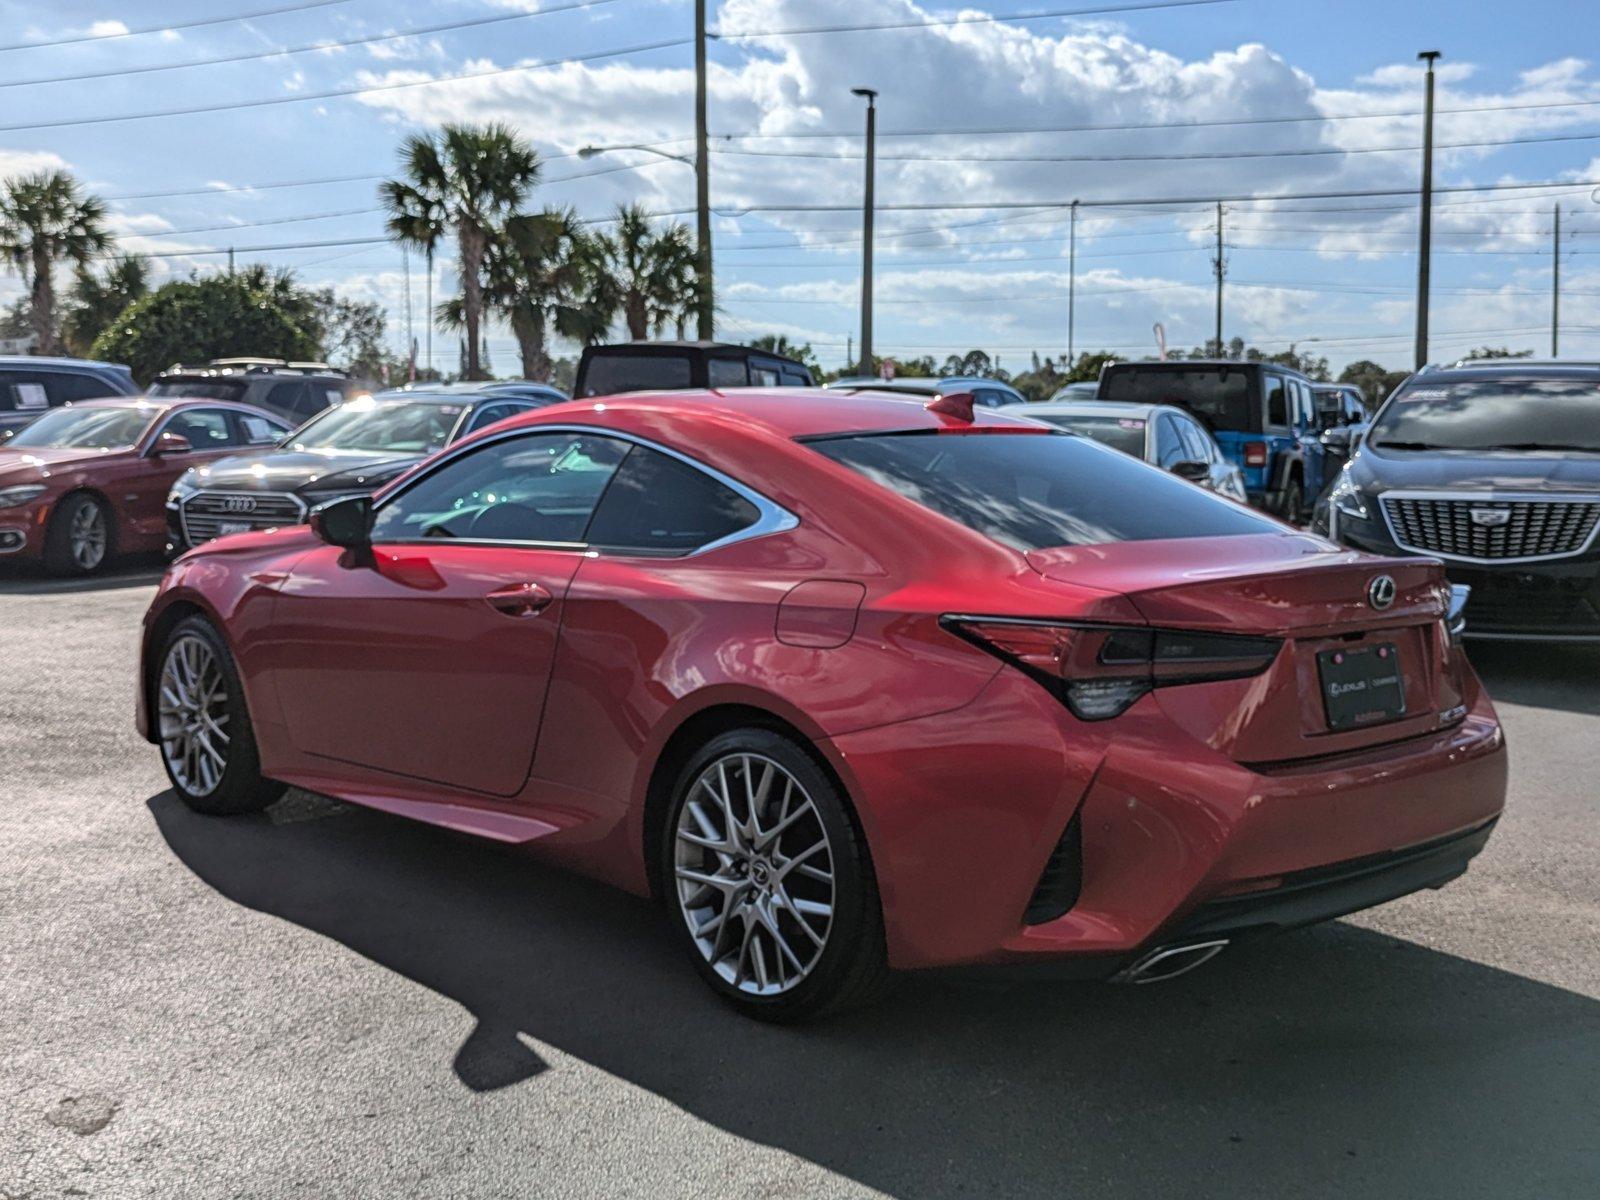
(1336, 439)
(171, 443)
(346, 522)
(1192, 469)
(6, 435)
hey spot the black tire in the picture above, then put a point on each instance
(239, 787)
(61, 556)
(851, 968)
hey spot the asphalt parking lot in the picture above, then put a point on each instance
(327, 1002)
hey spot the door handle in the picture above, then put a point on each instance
(520, 599)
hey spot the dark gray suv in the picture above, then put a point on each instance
(293, 391)
(30, 386)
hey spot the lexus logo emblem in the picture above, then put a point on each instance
(1490, 518)
(1381, 592)
(239, 504)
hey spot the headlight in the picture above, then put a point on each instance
(186, 485)
(12, 496)
(1347, 498)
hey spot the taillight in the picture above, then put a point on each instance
(1098, 671)
(1255, 454)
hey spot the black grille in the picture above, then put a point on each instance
(205, 512)
(1062, 879)
(1528, 529)
(1532, 602)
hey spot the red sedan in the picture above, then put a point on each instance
(852, 684)
(89, 480)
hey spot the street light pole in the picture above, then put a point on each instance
(866, 230)
(1555, 289)
(1221, 268)
(1072, 286)
(1425, 242)
(702, 179)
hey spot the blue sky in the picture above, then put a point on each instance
(947, 279)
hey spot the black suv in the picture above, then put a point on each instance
(295, 391)
(674, 366)
(1496, 472)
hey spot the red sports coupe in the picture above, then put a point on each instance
(89, 480)
(853, 684)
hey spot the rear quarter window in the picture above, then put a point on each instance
(1221, 397)
(609, 374)
(1032, 491)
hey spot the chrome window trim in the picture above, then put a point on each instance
(1488, 498)
(771, 517)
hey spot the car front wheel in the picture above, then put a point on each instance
(81, 536)
(770, 881)
(207, 744)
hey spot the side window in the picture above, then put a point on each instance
(1304, 417)
(1169, 443)
(1354, 410)
(489, 414)
(24, 391)
(764, 374)
(285, 398)
(660, 505)
(794, 376)
(1277, 402)
(1197, 447)
(66, 386)
(539, 488)
(989, 397)
(256, 429)
(206, 428)
(727, 372)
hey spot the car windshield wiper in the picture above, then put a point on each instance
(1386, 445)
(1563, 446)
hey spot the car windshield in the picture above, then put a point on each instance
(1493, 414)
(1219, 396)
(1030, 491)
(1122, 433)
(402, 426)
(86, 428)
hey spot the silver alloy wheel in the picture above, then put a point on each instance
(193, 709)
(755, 873)
(86, 536)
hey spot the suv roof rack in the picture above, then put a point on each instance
(253, 366)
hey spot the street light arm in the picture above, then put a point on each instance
(588, 152)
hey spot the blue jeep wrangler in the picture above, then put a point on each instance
(1263, 416)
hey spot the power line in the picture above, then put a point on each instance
(255, 55)
(972, 19)
(1124, 127)
(1183, 156)
(326, 216)
(337, 93)
(195, 24)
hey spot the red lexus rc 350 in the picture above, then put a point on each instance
(852, 684)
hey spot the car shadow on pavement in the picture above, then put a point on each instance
(1540, 675)
(1332, 1062)
(31, 581)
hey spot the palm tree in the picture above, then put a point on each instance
(467, 181)
(655, 272)
(98, 298)
(45, 218)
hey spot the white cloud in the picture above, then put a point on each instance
(106, 29)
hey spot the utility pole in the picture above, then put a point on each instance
(1221, 268)
(866, 229)
(230, 260)
(849, 352)
(702, 181)
(1555, 289)
(411, 341)
(429, 303)
(1072, 287)
(1425, 236)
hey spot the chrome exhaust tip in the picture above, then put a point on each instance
(1168, 962)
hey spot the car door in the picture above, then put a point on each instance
(212, 433)
(430, 659)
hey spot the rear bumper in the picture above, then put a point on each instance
(1172, 838)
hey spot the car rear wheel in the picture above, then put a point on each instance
(770, 881)
(207, 744)
(81, 536)
(1292, 507)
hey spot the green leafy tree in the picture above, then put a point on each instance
(45, 219)
(98, 298)
(219, 316)
(466, 181)
(654, 266)
(1375, 381)
(350, 334)
(780, 344)
(1483, 352)
(1088, 367)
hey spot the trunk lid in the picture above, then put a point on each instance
(1313, 596)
